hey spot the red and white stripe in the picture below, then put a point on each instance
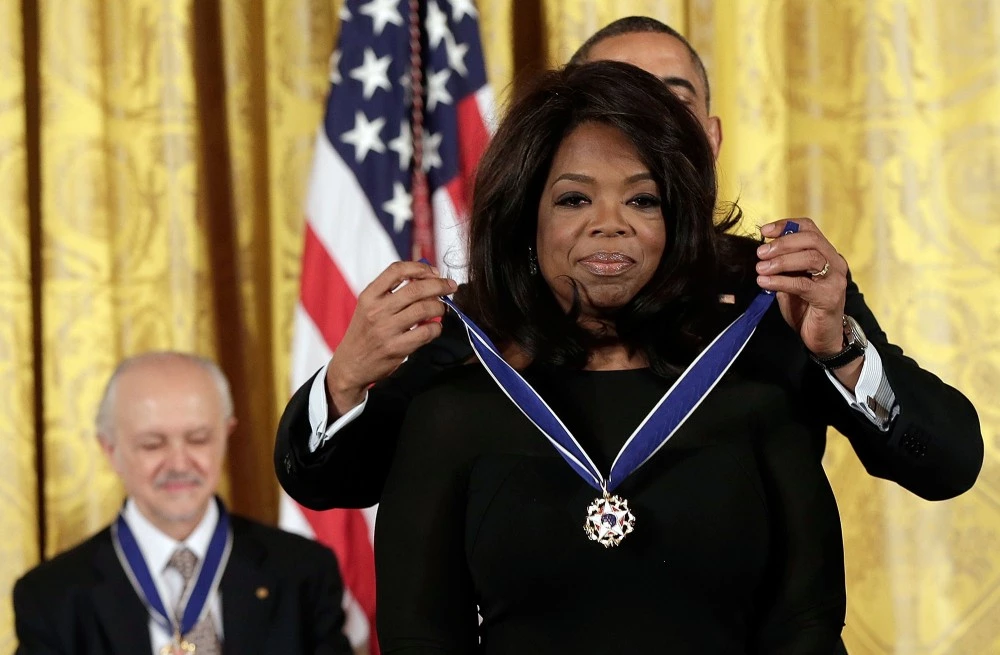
(345, 249)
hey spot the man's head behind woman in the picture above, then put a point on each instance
(672, 316)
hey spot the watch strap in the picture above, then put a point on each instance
(854, 349)
(841, 359)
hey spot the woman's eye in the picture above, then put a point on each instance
(645, 201)
(572, 200)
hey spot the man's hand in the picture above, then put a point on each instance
(810, 277)
(386, 328)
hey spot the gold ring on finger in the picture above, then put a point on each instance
(821, 272)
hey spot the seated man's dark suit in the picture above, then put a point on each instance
(280, 594)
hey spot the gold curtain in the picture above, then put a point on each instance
(18, 482)
(153, 161)
(174, 145)
(879, 120)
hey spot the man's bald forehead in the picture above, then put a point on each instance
(159, 363)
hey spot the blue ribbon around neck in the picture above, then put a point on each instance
(206, 580)
(662, 422)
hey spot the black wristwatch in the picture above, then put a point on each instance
(855, 344)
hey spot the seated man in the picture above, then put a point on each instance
(175, 572)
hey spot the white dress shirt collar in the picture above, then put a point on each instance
(157, 547)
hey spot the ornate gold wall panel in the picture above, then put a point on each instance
(18, 500)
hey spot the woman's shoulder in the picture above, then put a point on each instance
(763, 394)
(468, 377)
(755, 403)
(460, 415)
(458, 390)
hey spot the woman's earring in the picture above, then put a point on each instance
(532, 261)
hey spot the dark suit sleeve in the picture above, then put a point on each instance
(934, 447)
(34, 635)
(425, 598)
(350, 469)
(803, 599)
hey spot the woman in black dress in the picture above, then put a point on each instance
(599, 269)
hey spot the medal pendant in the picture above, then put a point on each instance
(609, 520)
(178, 647)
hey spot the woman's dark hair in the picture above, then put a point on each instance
(677, 312)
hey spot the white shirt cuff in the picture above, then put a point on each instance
(872, 395)
(319, 411)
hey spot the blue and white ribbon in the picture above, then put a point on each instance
(207, 577)
(662, 422)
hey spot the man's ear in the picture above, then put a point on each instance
(107, 444)
(231, 423)
(713, 129)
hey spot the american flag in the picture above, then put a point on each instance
(360, 209)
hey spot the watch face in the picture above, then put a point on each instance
(853, 333)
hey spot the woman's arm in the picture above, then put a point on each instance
(426, 602)
(803, 599)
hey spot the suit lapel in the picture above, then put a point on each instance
(248, 594)
(120, 613)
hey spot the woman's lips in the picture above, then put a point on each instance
(607, 263)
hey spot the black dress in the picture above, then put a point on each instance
(736, 549)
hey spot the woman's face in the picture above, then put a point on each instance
(599, 221)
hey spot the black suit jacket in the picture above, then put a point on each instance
(934, 447)
(281, 595)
